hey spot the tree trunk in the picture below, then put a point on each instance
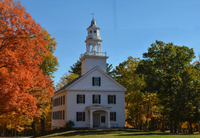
(199, 126)
(171, 127)
(163, 125)
(43, 126)
(155, 124)
(141, 125)
(33, 129)
(191, 132)
(136, 122)
(146, 127)
(175, 126)
(152, 122)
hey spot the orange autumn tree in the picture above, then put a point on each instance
(23, 87)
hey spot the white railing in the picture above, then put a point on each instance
(93, 37)
(93, 54)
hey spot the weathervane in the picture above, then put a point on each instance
(92, 14)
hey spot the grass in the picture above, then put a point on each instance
(122, 133)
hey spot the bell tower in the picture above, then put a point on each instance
(93, 56)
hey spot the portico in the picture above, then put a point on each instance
(98, 116)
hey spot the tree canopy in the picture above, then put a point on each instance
(23, 86)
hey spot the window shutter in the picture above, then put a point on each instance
(114, 116)
(83, 116)
(110, 116)
(83, 98)
(99, 81)
(99, 99)
(61, 99)
(77, 98)
(93, 99)
(77, 116)
(114, 99)
(108, 99)
(63, 114)
(64, 99)
(92, 81)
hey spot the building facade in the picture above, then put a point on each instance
(93, 99)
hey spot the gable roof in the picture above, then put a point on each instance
(68, 84)
(85, 75)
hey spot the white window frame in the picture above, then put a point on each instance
(96, 81)
(80, 101)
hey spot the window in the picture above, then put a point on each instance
(95, 31)
(103, 120)
(112, 116)
(58, 115)
(96, 81)
(80, 98)
(111, 99)
(96, 99)
(90, 31)
(80, 116)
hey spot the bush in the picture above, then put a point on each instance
(69, 125)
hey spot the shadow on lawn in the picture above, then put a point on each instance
(117, 132)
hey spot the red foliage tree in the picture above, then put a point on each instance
(23, 87)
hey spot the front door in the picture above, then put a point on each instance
(96, 120)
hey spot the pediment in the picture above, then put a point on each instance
(85, 82)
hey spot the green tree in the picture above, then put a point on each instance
(76, 68)
(162, 66)
(139, 103)
(50, 62)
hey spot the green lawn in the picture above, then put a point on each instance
(112, 133)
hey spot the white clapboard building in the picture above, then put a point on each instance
(93, 99)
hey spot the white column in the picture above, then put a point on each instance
(91, 118)
(108, 112)
(93, 48)
(87, 47)
(99, 47)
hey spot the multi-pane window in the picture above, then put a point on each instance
(59, 101)
(95, 31)
(111, 99)
(80, 98)
(90, 31)
(96, 81)
(58, 115)
(96, 99)
(80, 116)
(112, 116)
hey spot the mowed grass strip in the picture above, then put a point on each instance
(122, 133)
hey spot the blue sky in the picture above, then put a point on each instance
(128, 27)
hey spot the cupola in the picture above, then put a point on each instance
(93, 55)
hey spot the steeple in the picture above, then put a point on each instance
(93, 40)
(93, 50)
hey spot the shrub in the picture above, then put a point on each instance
(69, 125)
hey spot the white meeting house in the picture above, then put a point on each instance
(94, 99)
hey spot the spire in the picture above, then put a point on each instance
(93, 23)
